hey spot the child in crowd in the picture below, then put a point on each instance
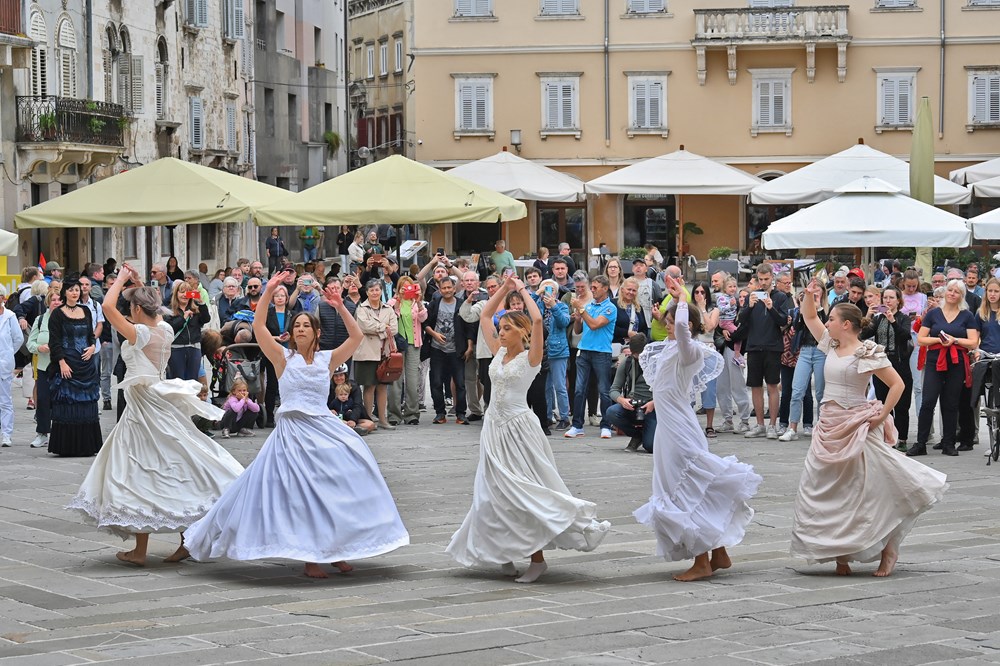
(203, 424)
(728, 306)
(241, 411)
(343, 404)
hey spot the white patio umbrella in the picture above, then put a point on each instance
(986, 226)
(8, 243)
(976, 172)
(521, 179)
(868, 212)
(989, 188)
(819, 181)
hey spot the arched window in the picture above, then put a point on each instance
(161, 77)
(111, 51)
(66, 41)
(39, 55)
(129, 74)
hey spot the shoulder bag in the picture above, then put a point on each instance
(390, 368)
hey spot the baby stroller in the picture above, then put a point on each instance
(238, 361)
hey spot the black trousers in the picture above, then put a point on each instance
(536, 397)
(43, 405)
(270, 394)
(234, 424)
(901, 412)
(785, 403)
(446, 367)
(944, 386)
(484, 379)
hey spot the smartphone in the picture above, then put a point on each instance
(880, 309)
(943, 336)
(548, 290)
(507, 272)
(761, 295)
(440, 251)
(154, 283)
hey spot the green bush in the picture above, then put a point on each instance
(632, 253)
(721, 252)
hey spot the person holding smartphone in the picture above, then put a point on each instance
(949, 333)
(891, 328)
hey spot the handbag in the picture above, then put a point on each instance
(390, 368)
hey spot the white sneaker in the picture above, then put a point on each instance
(788, 436)
(781, 430)
(742, 427)
(605, 433)
(771, 432)
(595, 420)
(755, 431)
(6, 441)
(807, 430)
(574, 432)
(726, 426)
(39, 441)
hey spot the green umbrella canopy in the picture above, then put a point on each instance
(165, 192)
(394, 191)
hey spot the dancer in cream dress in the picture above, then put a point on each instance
(699, 503)
(156, 472)
(314, 493)
(520, 504)
(858, 497)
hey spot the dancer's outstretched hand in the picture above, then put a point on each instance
(813, 288)
(674, 287)
(332, 296)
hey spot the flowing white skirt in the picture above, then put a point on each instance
(156, 472)
(314, 493)
(520, 504)
(857, 494)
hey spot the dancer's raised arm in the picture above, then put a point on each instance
(809, 314)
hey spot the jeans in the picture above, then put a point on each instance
(710, 394)
(107, 365)
(234, 423)
(555, 388)
(309, 254)
(619, 417)
(571, 384)
(810, 365)
(183, 363)
(918, 377)
(599, 363)
(731, 390)
(272, 264)
(445, 368)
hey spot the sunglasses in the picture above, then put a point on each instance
(253, 286)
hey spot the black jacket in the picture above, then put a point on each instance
(188, 332)
(333, 331)
(621, 323)
(461, 329)
(764, 327)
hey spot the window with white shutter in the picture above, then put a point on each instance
(66, 41)
(647, 103)
(984, 3)
(398, 48)
(160, 70)
(896, 100)
(772, 100)
(383, 58)
(124, 78)
(473, 7)
(560, 7)
(196, 13)
(370, 61)
(232, 138)
(984, 98)
(247, 60)
(560, 105)
(197, 135)
(136, 72)
(895, 4)
(646, 6)
(474, 105)
(233, 21)
(39, 55)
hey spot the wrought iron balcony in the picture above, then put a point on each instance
(756, 27)
(47, 119)
(10, 17)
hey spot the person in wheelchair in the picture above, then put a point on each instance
(632, 410)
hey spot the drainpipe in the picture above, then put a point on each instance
(607, 75)
(89, 40)
(941, 80)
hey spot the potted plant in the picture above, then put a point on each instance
(96, 125)
(632, 253)
(333, 142)
(124, 122)
(721, 252)
(47, 124)
(690, 229)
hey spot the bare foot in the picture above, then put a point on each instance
(720, 559)
(130, 557)
(342, 566)
(887, 564)
(314, 571)
(843, 569)
(179, 555)
(699, 571)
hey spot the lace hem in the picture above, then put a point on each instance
(350, 552)
(126, 522)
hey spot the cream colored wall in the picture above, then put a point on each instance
(382, 91)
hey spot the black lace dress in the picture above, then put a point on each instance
(76, 426)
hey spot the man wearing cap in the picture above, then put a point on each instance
(649, 290)
(53, 271)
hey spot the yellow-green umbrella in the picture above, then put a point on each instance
(922, 173)
(165, 192)
(394, 191)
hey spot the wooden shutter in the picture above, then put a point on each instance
(239, 23)
(464, 8)
(466, 106)
(778, 103)
(191, 11)
(197, 123)
(765, 115)
(362, 132)
(640, 99)
(904, 97)
(123, 80)
(248, 55)
(158, 68)
(646, 6)
(232, 144)
(654, 101)
(895, 3)
(67, 66)
(986, 98)
(136, 73)
(109, 76)
(559, 6)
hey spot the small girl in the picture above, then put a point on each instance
(343, 405)
(728, 306)
(241, 411)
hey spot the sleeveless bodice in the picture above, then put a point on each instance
(146, 360)
(510, 383)
(305, 387)
(74, 334)
(847, 377)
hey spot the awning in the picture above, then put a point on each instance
(521, 179)
(679, 172)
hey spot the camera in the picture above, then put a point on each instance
(192, 295)
(638, 413)
(411, 292)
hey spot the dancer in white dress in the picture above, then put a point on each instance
(699, 502)
(156, 472)
(314, 493)
(858, 497)
(520, 504)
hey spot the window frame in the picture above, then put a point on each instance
(895, 4)
(462, 83)
(645, 10)
(383, 58)
(369, 61)
(990, 74)
(196, 114)
(573, 80)
(983, 4)
(485, 8)
(397, 48)
(647, 78)
(896, 75)
(771, 75)
(559, 8)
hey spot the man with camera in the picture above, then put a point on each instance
(633, 411)
(306, 296)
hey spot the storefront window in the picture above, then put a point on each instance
(475, 237)
(558, 224)
(651, 219)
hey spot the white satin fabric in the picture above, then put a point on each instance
(857, 494)
(520, 504)
(699, 500)
(314, 493)
(156, 472)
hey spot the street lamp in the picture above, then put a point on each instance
(515, 140)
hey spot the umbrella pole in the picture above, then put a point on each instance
(399, 235)
(679, 199)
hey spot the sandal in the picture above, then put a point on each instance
(710, 433)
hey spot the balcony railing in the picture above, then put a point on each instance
(10, 17)
(827, 22)
(69, 120)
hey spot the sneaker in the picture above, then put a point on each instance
(574, 432)
(440, 418)
(475, 417)
(742, 427)
(39, 441)
(595, 420)
(246, 432)
(225, 433)
(634, 444)
(461, 421)
(755, 431)
(413, 422)
(739, 361)
(451, 411)
(726, 426)
(781, 430)
(107, 405)
(605, 433)
(788, 436)
(6, 441)
(422, 407)
(807, 430)
(771, 432)
(361, 431)
(563, 424)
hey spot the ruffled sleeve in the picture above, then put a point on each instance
(649, 359)
(824, 344)
(871, 357)
(142, 335)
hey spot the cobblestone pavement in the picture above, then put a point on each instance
(65, 599)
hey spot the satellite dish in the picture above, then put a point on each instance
(364, 152)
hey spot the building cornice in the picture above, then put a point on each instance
(733, 160)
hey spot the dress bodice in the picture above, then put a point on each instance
(146, 360)
(510, 383)
(847, 376)
(74, 334)
(305, 387)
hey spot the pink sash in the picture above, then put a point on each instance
(841, 433)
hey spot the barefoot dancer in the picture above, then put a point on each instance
(156, 472)
(314, 493)
(520, 504)
(699, 500)
(858, 497)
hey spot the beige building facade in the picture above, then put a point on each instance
(589, 86)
